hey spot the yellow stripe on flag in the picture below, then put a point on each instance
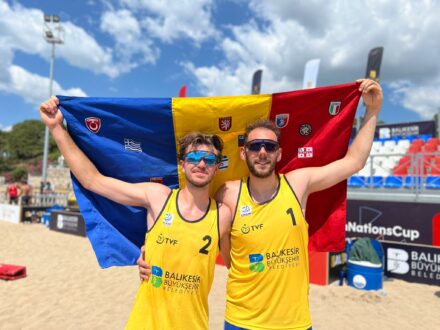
(225, 116)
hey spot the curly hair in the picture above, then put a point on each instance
(195, 139)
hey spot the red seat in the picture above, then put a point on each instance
(433, 141)
(430, 147)
(400, 170)
(414, 148)
(404, 160)
(418, 142)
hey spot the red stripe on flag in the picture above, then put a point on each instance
(316, 133)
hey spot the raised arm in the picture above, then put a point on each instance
(139, 194)
(319, 178)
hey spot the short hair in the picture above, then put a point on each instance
(195, 139)
(262, 123)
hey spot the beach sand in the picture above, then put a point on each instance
(66, 289)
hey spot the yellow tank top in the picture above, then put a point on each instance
(268, 282)
(182, 257)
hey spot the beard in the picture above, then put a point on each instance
(260, 173)
(199, 184)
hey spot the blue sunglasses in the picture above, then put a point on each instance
(195, 157)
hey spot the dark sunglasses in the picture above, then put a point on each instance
(195, 157)
(256, 145)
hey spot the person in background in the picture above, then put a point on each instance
(25, 193)
(13, 193)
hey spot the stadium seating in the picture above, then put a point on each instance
(374, 181)
(413, 182)
(433, 182)
(356, 181)
(401, 163)
(393, 182)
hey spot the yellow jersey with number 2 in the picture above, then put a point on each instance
(182, 257)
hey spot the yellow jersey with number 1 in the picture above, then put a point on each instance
(268, 282)
(182, 257)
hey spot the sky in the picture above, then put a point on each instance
(150, 48)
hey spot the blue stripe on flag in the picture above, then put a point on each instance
(129, 139)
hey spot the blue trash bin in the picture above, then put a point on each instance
(366, 275)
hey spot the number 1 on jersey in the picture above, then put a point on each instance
(290, 211)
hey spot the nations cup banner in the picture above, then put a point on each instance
(405, 222)
(136, 140)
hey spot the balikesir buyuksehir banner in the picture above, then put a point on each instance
(136, 140)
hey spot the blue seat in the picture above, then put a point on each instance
(425, 137)
(375, 181)
(413, 182)
(433, 182)
(393, 182)
(356, 181)
(411, 138)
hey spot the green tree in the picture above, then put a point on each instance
(26, 140)
(19, 174)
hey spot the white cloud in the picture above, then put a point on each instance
(22, 29)
(126, 31)
(284, 35)
(32, 87)
(170, 20)
(421, 99)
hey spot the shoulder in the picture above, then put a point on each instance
(225, 214)
(298, 181)
(228, 193)
(227, 188)
(157, 194)
(224, 218)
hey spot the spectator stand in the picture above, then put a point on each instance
(401, 169)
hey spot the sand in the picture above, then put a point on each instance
(66, 289)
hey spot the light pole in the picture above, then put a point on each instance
(53, 34)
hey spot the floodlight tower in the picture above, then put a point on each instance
(53, 34)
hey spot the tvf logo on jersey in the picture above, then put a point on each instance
(161, 239)
(245, 229)
(256, 263)
(156, 276)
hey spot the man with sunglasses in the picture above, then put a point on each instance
(268, 281)
(186, 228)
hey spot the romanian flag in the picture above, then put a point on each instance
(136, 140)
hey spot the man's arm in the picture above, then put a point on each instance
(228, 194)
(139, 194)
(225, 223)
(319, 178)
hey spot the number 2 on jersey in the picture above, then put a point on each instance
(206, 246)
